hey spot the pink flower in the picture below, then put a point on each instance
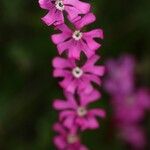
(120, 75)
(131, 108)
(143, 98)
(56, 10)
(134, 135)
(75, 112)
(67, 139)
(77, 78)
(75, 41)
(129, 104)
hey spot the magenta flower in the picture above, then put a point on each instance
(75, 41)
(131, 108)
(67, 139)
(143, 96)
(77, 78)
(134, 135)
(129, 104)
(120, 75)
(75, 112)
(56, 9)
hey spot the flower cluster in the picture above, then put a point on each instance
(76, 66)
(129, 104)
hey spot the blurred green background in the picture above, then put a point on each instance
(26, 84)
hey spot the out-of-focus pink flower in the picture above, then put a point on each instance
(76, 111)
(120, 78)
(143, 96)
(67, 139)
(129, 104)
(131, 108)
(77, 78)
(56, 9)
(75, 41)
(134, 135)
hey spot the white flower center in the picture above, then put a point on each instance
(71, 139)
(59, 5)
(81, 111)
(77, 72)
(77, 35)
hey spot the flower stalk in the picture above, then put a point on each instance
(75, 116)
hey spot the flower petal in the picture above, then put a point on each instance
(65, 114)
(97, 112)
(85, 99)
(59, 62)
(81, 6)
(69, 122)
(64, 46)
(61, 104)
(60, 142)
(85, 20)
(92, 123)
(59, 38)
(96, 33)
(45, 4)
(53, 17)
(58, 128)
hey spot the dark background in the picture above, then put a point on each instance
(27, 88)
